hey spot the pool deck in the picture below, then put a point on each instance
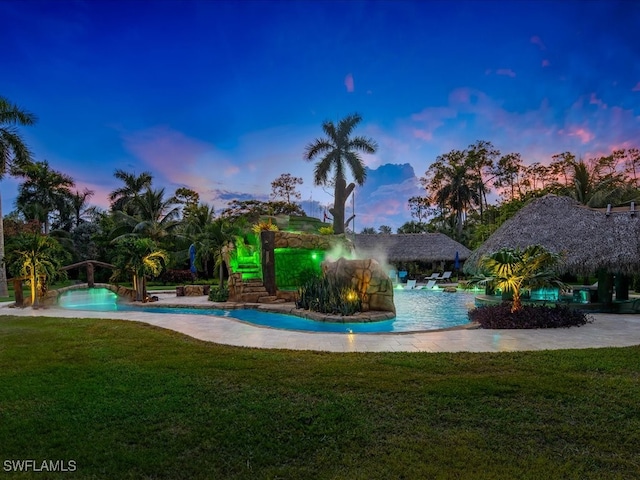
(607, 330)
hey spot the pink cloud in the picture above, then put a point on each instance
(348, 82)
(177, 159)
(536, 40)
(546, 63)
(636, 88)
(594, 100)
(582, 133)
(506, 71)
(432, 118)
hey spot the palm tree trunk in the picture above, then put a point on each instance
(4, 288)
(34, 288)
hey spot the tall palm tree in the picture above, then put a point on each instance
(44, 187)
(13, 152)
(122, 198)
(453, 186)
(339, 152)
(156, 217)
(79, 202)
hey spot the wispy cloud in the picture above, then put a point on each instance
(536, 40)
(348, 83)
(506, 72)
(636, 88)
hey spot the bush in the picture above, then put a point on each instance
(176, 277)
(530, 316)
(319, 294)
(219, 294)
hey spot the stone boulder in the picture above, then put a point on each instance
(368, 278)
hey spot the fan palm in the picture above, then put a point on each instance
(511, 270)
(13, 152)
(339, 152)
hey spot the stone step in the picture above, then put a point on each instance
(270, 299)
(251, 297)
(254, 289)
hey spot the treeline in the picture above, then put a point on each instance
(459, 186)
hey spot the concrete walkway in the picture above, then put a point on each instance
(606, 331)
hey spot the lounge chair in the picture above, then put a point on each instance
(445, 276)
(430, 284)
(411, 284)
(434, 276)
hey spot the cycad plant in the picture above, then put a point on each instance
(512, 270)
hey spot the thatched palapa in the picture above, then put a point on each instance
(588, 239)
(411, 247)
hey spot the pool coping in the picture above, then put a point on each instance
(607, 330)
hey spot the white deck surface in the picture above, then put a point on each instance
(607, 330)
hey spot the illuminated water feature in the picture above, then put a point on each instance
(416, 310)
(99, 299)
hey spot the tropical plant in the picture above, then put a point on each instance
(44, 188)
(211, 243)
(511, 270)
(38, 258)
(320, 294)
(122, 198)
(263, 226)
(138, 257)
(156, 217)
(337, 153)
(453, 186)
(13, 153)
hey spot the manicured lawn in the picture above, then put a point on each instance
(125, 400)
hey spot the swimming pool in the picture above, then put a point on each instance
(416, 310)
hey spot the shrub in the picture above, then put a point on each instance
(176, 276)
(530, 316)
(319, 294)
(219, 294)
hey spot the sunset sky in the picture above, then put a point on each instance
(223, 96)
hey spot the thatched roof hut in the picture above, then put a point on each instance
(589, 239)
(411, 247)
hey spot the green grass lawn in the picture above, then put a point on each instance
(125, 400)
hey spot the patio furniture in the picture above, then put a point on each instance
(411, 284)
(445, 276)
(430, 284)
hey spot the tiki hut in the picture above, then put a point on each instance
(411, 247)
(604, 241)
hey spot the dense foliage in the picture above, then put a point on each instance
(321, 294)
(529, 316)
(219, 294)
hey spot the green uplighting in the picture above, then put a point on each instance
(295, 265)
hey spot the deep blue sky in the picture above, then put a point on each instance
(222, 97)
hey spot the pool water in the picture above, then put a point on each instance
(416, 310)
